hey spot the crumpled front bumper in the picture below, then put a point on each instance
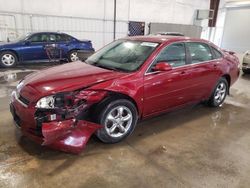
(67, 135)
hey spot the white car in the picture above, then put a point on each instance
(246, 62)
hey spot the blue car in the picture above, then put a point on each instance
(42, 47)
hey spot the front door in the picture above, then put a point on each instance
(168, 89)
(34, 48)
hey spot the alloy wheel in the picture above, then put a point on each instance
(8, 59)
(220, 92)
(118, 121)
(74, 57)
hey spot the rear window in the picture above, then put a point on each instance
(63, 38)
(199, 52)
(217, 54)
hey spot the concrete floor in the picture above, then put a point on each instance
(194, 147)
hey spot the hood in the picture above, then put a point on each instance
(9, 44)
(67, 77)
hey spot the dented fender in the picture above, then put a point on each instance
(69, 135)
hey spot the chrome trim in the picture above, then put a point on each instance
(148, 73)
(155, 72)
(16, 97)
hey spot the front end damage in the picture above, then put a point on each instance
(63, 121)
(68, 135)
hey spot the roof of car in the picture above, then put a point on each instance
(53, 32)
(162, 38)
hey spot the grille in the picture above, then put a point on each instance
(24, 100)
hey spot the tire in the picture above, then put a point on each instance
(245, 71)
(219, 93)
(73, 56)
(8, 59)
(112, 116)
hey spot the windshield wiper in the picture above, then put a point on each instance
(107, 67)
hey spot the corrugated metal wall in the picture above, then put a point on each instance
(7, 27)
(100, 31)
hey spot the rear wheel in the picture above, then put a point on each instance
(8, 59)
(73, 56)
(219, 94)
(119, 119)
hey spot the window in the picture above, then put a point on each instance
(123, 55)
(63, 38)
(66, 37)
(217, 54)
(39, 38)
(174, 55)
(52, 37)
(199, 52)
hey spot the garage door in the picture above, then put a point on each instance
(236, 35)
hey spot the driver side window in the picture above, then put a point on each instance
(173, 54)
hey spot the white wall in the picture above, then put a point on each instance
(99, 31)
(237, 29)
(222, 37)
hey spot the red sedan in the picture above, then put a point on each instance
(126, 81)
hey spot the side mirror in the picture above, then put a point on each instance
(27, 42)
(162, 66)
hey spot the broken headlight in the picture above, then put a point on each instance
(71, 99)
(46, 102)
(56, 101)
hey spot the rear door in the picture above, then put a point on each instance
(168, 89)
(63, 43)
(203, 68)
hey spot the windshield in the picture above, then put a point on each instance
(123, 55)
(21, 38)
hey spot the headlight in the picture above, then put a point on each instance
(71, 99)
(46, 102)
(20, 85)
(56, 101)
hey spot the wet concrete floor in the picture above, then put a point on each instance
(194, 147)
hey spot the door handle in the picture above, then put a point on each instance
(53, 45)
(183, 72)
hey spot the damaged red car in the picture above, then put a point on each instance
(126, 81)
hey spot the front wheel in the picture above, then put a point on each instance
(8, 59)
(219, 94)
(119, 119)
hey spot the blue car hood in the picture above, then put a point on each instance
(9, 44)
